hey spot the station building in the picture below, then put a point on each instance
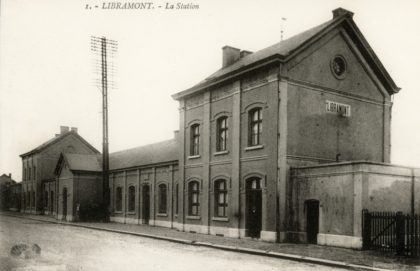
(285, 144)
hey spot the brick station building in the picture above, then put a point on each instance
(288, 143)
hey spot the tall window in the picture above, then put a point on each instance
(29, 173)
(46, 200)
(34, 172)
(24, 174)
(176, 198)
(195, 140)
(193, 198)
(162, 198)
(118, 199)
(52, 201)
(255, 127)
(221, 198)
(33, 199)
(222, 134)
(131, 198)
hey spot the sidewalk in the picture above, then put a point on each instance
(324, 255)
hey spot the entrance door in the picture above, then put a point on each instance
(64, 203)
(146, 204)
(312, 220)
(253, 207)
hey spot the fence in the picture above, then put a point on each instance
(393, 232)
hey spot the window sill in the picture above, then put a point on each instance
(162, 214)
(118, 212)
(131, 213)
(257, 147)
(193, 217)
(194, 156)
(225, 219)
(220, 153)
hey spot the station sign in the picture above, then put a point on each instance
(343, 110)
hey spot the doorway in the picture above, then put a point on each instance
(312, 221)
(253, 207)
(64, 203)
(146, 204)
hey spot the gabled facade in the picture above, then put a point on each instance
(319, 97)
(38, 167)
(79, 187)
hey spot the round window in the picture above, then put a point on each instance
(338, 67)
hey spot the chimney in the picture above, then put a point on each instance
(64, 129)
(74, 130)
(57, 135)
(245, 53)
(340, 12)
(10, 175)
(230, 55)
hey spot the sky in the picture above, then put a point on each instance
(46, 70)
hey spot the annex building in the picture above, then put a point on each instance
(288, 143)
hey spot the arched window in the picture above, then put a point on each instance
(222, 134)
(118, 199)
(162, 198)
(193, 198)
(255, 127)
(221, 198)
(195, 140)
(131, 198)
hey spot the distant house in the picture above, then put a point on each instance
(6, 200)
(38, 169)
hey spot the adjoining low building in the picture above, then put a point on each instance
(144, 183)
(326, 200)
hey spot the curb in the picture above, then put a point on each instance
(251, 251)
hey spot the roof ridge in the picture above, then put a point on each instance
(142, 146)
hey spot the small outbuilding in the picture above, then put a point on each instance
(79, 186)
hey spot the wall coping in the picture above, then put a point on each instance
(358, 162)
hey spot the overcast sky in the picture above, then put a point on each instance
(46, 72)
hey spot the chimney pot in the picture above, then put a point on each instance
(74, 129)
(230, 55)
(341, 11)
(64, 129)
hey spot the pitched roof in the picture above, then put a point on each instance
(282, 48)
(165, 151)
(79, 162)
(286, 48)
(56, 139)
(83, 162)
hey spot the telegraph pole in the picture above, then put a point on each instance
(104, 48)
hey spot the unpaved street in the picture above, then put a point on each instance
(72, 248)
